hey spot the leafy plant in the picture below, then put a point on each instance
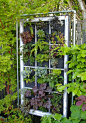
(77, 61)
(26, 54)
(77, 67)
(41, 72)
(37, 98)
(77, 116)
(16, 115)
(81, 101)
(27, 40)
(56, 102)
(27, 75)
(40, 33)
(41, 44)
(42, 57)
(52, 78)
(41, 24)
(54, 62)
(26, 37)
(75, 88)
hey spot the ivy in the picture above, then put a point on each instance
(10, 11)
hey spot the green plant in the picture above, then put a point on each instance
(38, 98)
(56, 102)
(41, 58)
(27, 40)
(77, 67)
(77, 61)
(75, 88)
(41, 72)
(52, 78)
(11, 10)
(54, 62)
(42, 109)
(40, 33)
(41, 44)
(27, 75)
(77, 116)
(26, 54)
(16, 116)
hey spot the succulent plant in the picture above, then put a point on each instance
(40, 33)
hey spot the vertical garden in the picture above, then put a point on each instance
(10, 12)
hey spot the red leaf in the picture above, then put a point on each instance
(78, 103)
(84, 107)
(42, 86)
(35, 89)
(41, 93)
(38, 98)
(40, 103)
(83, 98)
(47, 104)
(32, 101)
(28, 93)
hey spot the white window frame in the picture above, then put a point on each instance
(65, 97)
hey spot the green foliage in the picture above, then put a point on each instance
(10, 11)
(76, 6)
(77, 67)
(27, 75)
(56, 100)
(16, 116)
(41, 44)
(53, 77)
(77, 89)
(77, 116)
(77, 61)
(27, 40)
(54, 62)
(42, 109)
(40, 33)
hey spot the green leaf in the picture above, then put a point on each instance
(75, 114)
(57, 116)
(82, 75)
(61, 88)
(70, 89)
(65, 120)
(75, 92)
(83, 55)
(76, 120)
(82, 121)
(79, 93)
(83, 115)
(74, 107)
(71, 64)
(70, 71)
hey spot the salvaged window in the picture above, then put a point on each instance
(42, 66)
